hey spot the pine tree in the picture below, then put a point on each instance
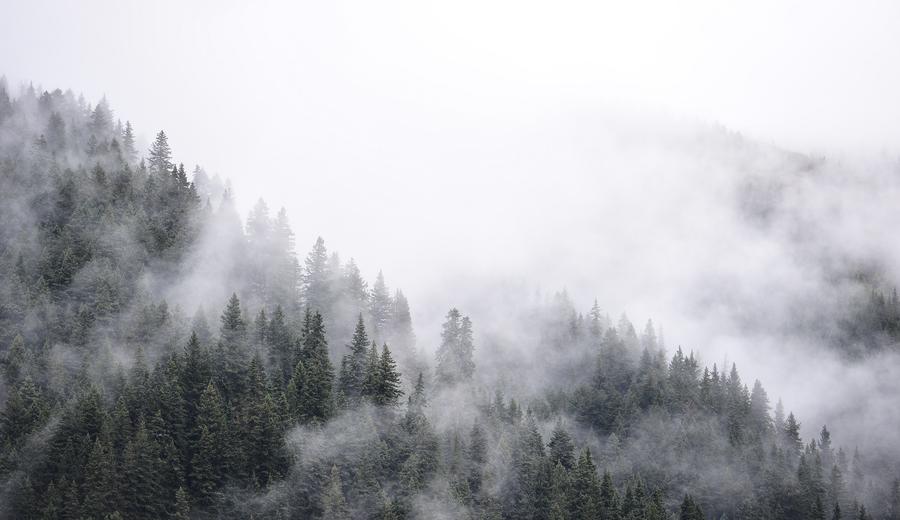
(142, 478)
(402, 336)
(294, 391)
(372, 379)
(210, 457)
(316, 403)
(388, 390)
(561, 448)
(334, 506)
(609, 498)
(586, 498)
(25, 411)
(477, 453)
(160, 159)
(128, 142)
(232, 355)
(316, 278)
(792, 434)
(690, 510)
(266, 452)
(100, 482)
(354, 366)
(454, 356)
(279, 339)
(182, 505)
(381, 308)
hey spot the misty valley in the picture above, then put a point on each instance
(163, 356)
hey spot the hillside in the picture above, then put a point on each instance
(163, 358)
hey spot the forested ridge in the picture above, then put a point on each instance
(297, 389)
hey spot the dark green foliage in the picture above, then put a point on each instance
(354, 366)
(315, 403)
(690, 510)
(386, 385)
(561, 448)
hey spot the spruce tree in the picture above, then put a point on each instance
(561, 447)
(690, 510)
(128, 142)
(232, 352)
(142, 477)
(334, 505)
(209, 462)
(586, 499)
(402, 336)
(182, 505)
(454, 355)
(160, 155)
(381, 309)
(316, 278)
(388, 390)
(316, 403)
(354, 366)
(100, 482)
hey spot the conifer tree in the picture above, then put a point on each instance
(334, 506)
(160, 155)
(316, 278)
(232, 355)
(454, 356)
(210, 456)
(128, 142)
(388, 390)
(142, 477)
(279, 340)
(402, 336)
(354, 366)
(315, 403)
(690, 510)
(182, 505)
(561, 447)
(609, 498)
(792, 434)
(381, 309)
(100, 482)
(586, 493)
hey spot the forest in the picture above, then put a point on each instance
(163, 357)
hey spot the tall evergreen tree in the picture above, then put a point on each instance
(387, 387)
(160, 154)
(454, 355)
(334, 505)
(210, 457)
(316, 404)
(381, 309)
(354, 366)
(316, 278)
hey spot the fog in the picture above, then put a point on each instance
(493, 154)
